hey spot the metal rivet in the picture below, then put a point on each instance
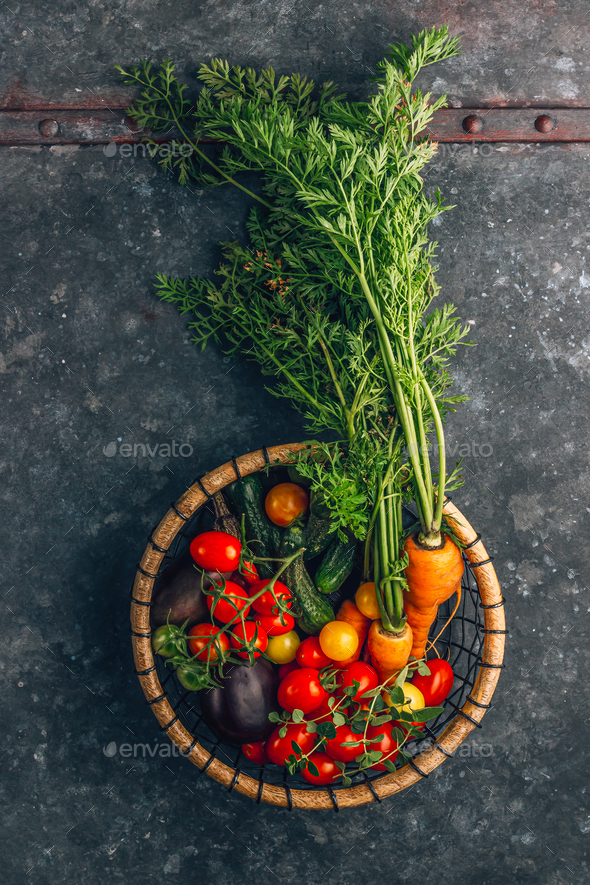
(132, 124)
(472, 123)
(544, 123)
(48, 128)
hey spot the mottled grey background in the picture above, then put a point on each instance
(90, 357)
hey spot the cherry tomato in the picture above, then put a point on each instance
(436, 687)
(334, 746)
(339, 640)
(236, 638)
(250, 573)
(225, 607)
(310, 654)
(387, 744)
(328, 771)
(366, 601)
(199, 636)
(414, 700)
(285, 502)
(285, 669)
(282, 649)
(265, 604)
(364, 674)
(216, 551)
(255, 752)
(190, 678)
(278, 749)
(167, 640)
(323, 713)
(301, 690)
(276, 625)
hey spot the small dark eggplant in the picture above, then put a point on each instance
(238, 712)
(178, 591)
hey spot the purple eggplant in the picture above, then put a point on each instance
(238, 712)
(178, 592)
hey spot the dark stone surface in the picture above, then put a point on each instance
(118, 367)
(512, 51)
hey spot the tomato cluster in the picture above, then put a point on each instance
(324, 690)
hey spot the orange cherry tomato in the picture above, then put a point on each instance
(285, 502)
(366, 601)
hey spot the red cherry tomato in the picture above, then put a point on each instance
(285, 502)
(225, 607)
(216, 551)
(278, 749)
(236, 638)
(301, 690)
(334, 746)
(276, 625)
(323, 713)
(285, 669)
(255, 752)
(250, 573)
(310, 654)
(199, 636)
(387, 744)
(364, 674)
(265, 604)
(438, 685)
(328, 771)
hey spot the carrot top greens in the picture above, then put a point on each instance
(332, 295)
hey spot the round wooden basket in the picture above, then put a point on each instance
(479, 639)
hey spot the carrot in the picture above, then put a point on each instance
(433, 575)
(389, 651)
(349, 613)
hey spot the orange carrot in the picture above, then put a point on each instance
(433, 576)
(349, 613)
(389, 651)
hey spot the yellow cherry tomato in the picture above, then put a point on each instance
(338, 640)
(282, 649)
(366, 601)
(413, 698)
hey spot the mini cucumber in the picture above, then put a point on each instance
(247, 496)
(336, 564)
(319, 533)
(316, 611)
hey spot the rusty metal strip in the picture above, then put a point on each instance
(104, 126)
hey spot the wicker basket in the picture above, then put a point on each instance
(482, 651)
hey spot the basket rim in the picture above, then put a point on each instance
(465, 721)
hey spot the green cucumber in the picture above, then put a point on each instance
(247, 496)
(336, 564)
(316, 611)
(319, 532)
(297, 477)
